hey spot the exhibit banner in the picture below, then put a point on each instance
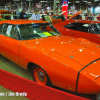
(65, 7)
(38, 5)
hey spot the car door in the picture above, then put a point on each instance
(71, 30)
(81, 30)
(98, 35)
(63, 31)
(80, 34)
(56, 19)
(9, 44)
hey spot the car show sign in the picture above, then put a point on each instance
(38, 5)
(65, 7)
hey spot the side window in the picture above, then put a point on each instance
(7, 17)
(22, 31)
(84, 27)
(73, 26)
(4, 31)
(1, 29)
(54, 17)
(78, 26)
(91, 29)
(10, 31)
(14, 33)
(58, 17)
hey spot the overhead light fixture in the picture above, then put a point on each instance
(43, 1)
(89, 2)
(85, 1)
(69, 2)
(96, 0)
(57, 1)
(77, 1)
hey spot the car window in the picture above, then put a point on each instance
(4, 30)
(15, 17)
(10, 31)
(7, 17)
(78, 26)
(73, 26)
(1, 29)
(96, 27)
(28, 15)
(57, 17)
(14, 32)
(37, 30)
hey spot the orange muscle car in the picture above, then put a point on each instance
(55, 18)
(60, 18)
(67, 62)
(2, 12)
(80, 29)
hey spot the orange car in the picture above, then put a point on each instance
(55, 18)
(4, 12)
(67, 62)
(59, 18)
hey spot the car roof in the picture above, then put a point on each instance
(55, 15)
(87, 21)
(80, 21)
(9, 15)
(21, 21)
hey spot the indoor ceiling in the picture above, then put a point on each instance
(82, 2)
(88, 2)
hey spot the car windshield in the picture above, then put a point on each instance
(7, 17)
(97, 27)
(37, 30)
(57, 17)
(28, 15)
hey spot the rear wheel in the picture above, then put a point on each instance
(40, 76)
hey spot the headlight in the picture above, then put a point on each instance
(98, 96)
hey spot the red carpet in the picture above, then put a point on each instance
(34, 90)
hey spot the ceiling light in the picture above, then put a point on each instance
(96, 0)
(77, 1)
(69, 2)
(85, 1)
(89, 2)
(43, 1)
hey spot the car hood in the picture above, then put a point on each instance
(75, 15)
(79, 50)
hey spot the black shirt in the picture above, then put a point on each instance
(23, 15)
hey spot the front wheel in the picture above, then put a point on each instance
(40, 76)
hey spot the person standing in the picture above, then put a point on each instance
(23, 14)
(48, 18)
(36, 15)
(63, 17)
